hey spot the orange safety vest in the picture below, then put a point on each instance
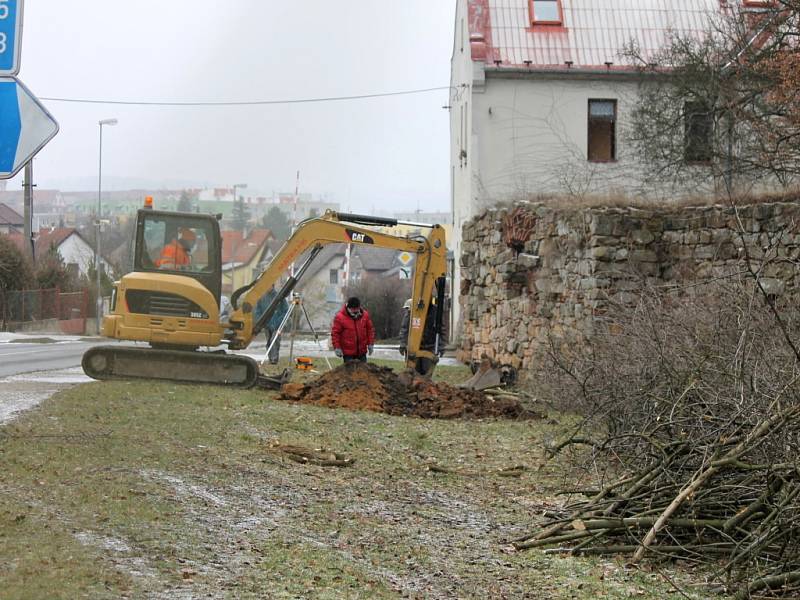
(173, 256)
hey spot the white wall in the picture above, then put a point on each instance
(75, 250)
(322, 298)
(464, 77)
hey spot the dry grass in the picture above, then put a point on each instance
(139, 490)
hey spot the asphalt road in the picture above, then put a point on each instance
(16, 358)
(23, 357)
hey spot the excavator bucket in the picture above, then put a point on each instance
(273, 383)
(486, 376)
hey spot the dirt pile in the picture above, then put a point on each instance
(364, 386)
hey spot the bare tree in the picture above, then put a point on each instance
(723, 107)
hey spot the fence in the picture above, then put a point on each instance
(65, 310)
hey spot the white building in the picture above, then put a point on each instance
(74, 250)
(541, 95)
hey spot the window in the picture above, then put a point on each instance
(334, 276)
(176, 244)
(546, 12)
(602, 130)
(698, 126)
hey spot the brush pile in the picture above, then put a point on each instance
(693, 408)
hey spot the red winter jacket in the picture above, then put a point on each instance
(352, 335)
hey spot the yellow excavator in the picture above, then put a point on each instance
(171, 300)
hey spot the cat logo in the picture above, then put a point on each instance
(358, 237)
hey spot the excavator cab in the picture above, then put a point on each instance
(172, 296)
(180, 243)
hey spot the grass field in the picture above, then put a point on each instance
(144, 490)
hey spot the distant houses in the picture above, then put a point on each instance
(10, 220)
(244, 254)
(72, 247)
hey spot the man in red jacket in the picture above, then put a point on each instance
(352, 333)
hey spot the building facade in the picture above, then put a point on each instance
(542, 94)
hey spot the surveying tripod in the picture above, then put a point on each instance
(294, 314)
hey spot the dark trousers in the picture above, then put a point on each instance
(360, 358)
(274, 354)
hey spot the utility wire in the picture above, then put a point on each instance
(247, 102)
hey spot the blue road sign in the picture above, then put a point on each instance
(25, 126)
(10, 36)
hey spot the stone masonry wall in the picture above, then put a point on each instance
(577, 261)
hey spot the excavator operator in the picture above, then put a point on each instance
(176, 255)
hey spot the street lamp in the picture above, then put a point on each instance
(242, 186)
(99, 304)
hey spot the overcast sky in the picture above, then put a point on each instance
(366, 154)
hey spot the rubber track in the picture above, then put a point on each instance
(179, 366)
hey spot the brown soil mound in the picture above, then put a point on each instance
(364, 386)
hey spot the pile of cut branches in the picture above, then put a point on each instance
(694, 404)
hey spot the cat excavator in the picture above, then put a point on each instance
(171, 300)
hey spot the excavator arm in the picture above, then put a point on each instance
(335, 228)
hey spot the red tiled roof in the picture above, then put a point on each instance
(45, 239)
(593, 32)
(8, 216)
(238, 249)
(54, 237)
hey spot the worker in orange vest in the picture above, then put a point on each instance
(177, 254)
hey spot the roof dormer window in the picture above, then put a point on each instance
(546, 12)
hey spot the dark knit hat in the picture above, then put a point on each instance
(353, 302)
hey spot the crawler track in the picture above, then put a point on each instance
(179, 366)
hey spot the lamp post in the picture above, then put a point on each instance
(242, 186)
(99, 302)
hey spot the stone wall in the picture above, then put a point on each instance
(576, 262)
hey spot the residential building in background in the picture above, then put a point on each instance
(244, 256)
(307, 207)
(541, 95)
(76, 252)
(10, 220)
(324, 285)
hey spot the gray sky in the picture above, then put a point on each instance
(386, 153)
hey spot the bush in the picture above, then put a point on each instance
(51, 272)
(695, 401)
(15, 268)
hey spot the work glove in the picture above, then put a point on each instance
(370, 348)
(338, 352)
(402, 350)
